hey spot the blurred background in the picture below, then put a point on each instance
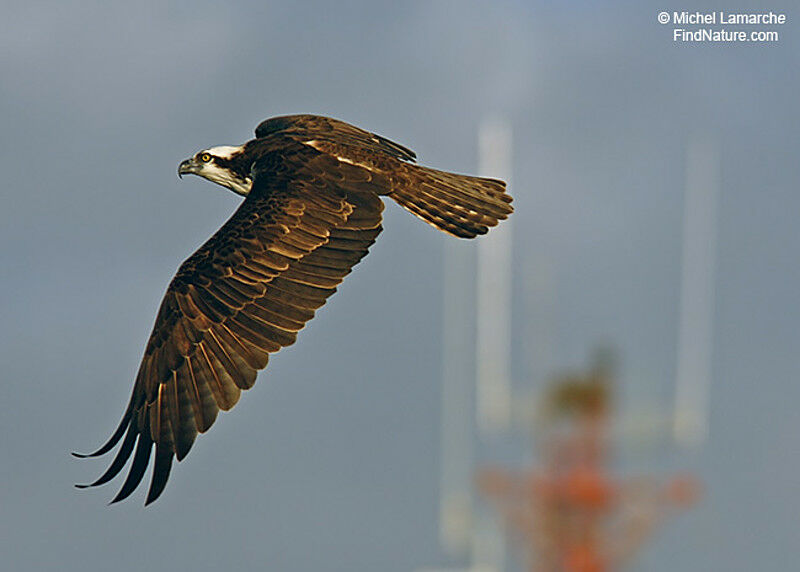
(656, 194)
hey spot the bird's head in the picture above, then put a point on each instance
(225, 165)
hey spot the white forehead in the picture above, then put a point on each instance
(224, 151)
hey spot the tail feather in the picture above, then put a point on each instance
(460, 205)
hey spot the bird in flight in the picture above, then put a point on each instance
(312, 208)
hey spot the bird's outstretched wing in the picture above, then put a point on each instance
(242, 296)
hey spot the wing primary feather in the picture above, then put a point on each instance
(114, 439)
(156, 413)
(225, 391)
(138, 467)
(236, 367)
(119, 461)
(184, 429)
(161, 469)
(239, 347)
(208, 408)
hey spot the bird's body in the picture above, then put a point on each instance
(311, 211)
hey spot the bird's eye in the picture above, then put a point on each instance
(205, 157)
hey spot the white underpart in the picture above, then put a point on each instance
(224, 151)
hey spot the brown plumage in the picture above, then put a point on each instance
(311, 212)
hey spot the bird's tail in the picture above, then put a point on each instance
(460, 205)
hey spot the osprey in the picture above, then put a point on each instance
(312, 208)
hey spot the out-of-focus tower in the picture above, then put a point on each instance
(493, 337)
(695, 335)
(476, 395)
(457, 458)
(494, 292)
(569, 513)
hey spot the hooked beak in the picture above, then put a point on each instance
(187, 167)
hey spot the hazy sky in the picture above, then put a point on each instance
(331, 461)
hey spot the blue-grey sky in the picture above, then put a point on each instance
(331, 461)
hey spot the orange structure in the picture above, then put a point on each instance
(571, 514)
